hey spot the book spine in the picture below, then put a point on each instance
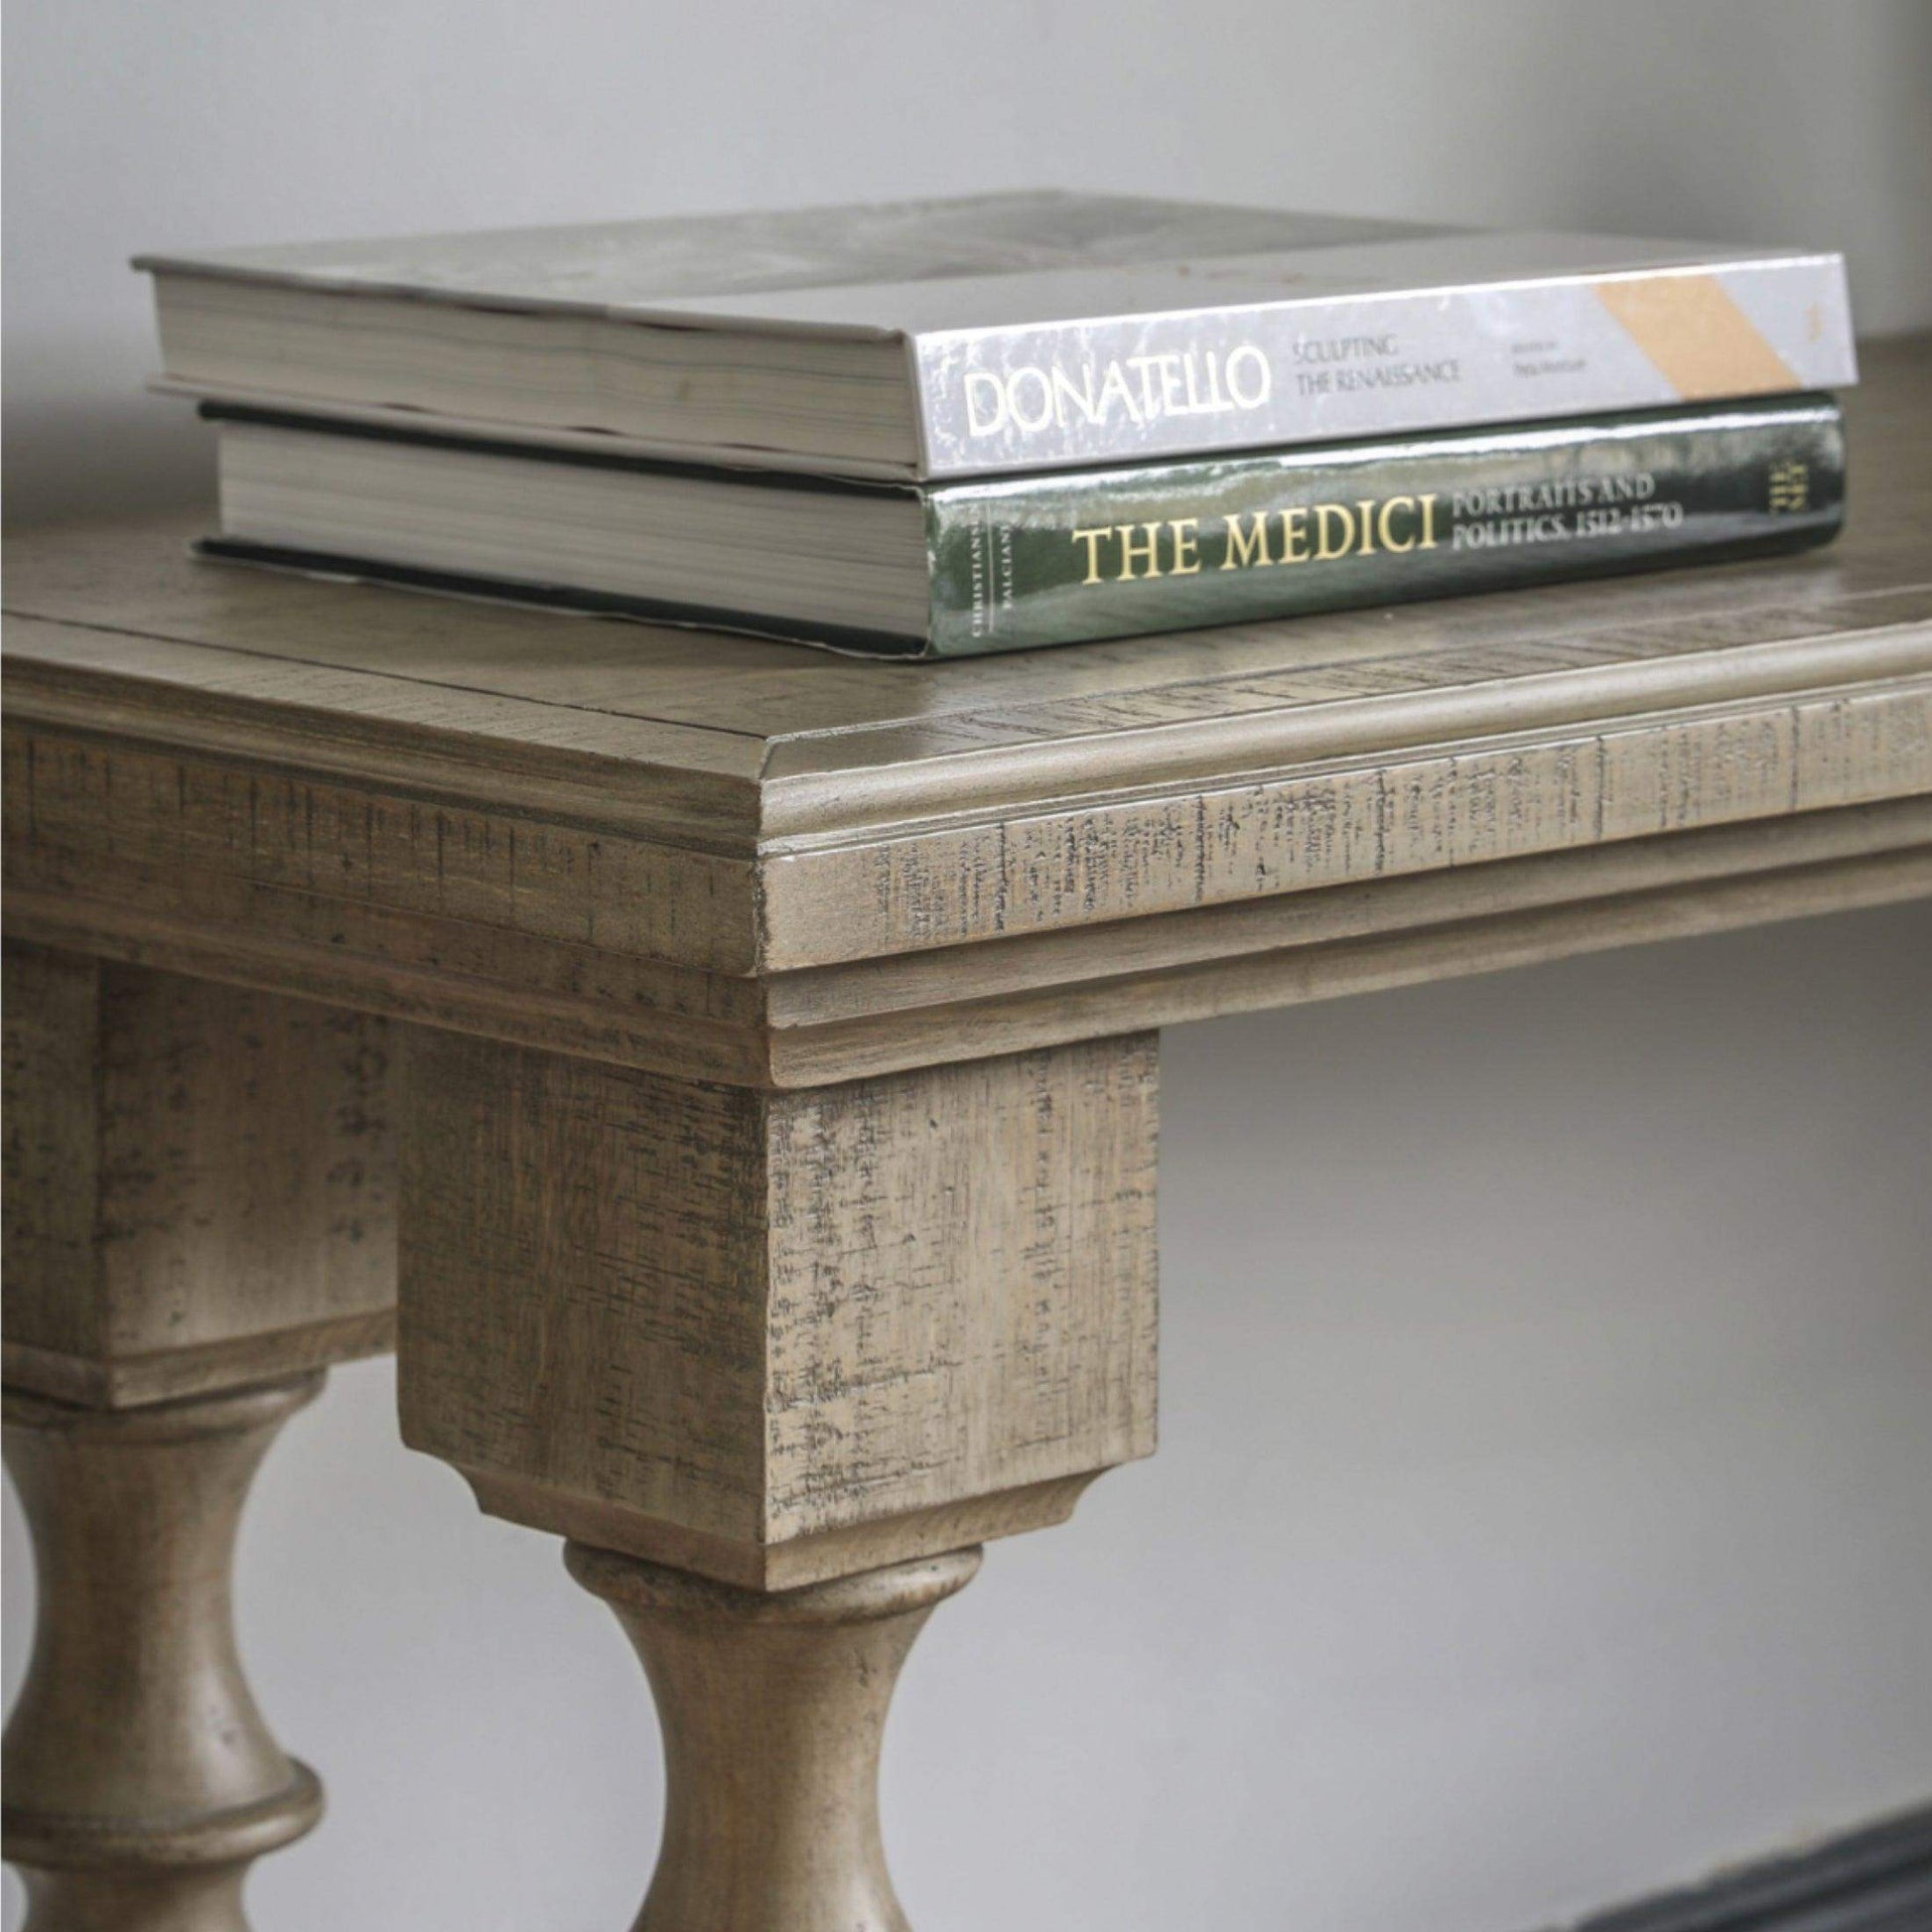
(1061, 559)
(1314, 367)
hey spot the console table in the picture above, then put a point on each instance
(726, 1073)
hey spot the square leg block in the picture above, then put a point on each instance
(776, 1337)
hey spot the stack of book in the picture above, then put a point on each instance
(941, 428)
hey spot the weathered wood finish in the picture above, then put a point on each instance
(772, 1708)
(199, 1214)
(573, 932)
(776, 1337)
(778, 1143)
(141, 1781)
(200, 1182)
(807, 1344)
(626, 842)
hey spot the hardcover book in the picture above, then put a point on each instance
(952, 569)
(951, 339)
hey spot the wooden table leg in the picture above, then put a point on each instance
(199, 1216)
(141, 1779)
(776, 1363)
(773, 1707)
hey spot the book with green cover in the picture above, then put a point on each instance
(944, 570)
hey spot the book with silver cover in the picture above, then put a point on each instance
(996, 335)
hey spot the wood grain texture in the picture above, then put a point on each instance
(199, 1203)
(620, 841)
(772, 1711)
(601, 678)
(1329, 824)
(777, 1191)
(778, 1337)
(141, 1780)
(200, 1182)
(1366, 939)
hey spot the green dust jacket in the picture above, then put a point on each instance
(1064, 558)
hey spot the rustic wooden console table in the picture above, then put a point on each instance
(727, 1074)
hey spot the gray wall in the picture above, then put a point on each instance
(1543, 1508)
(131, 125)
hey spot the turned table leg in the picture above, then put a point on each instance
(141, 1780)
(198, 1218)
(776, 1362)
(773, 1707)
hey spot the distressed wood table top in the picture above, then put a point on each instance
(757, 864)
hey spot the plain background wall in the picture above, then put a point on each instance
(1543, 1511)
(133, 125)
